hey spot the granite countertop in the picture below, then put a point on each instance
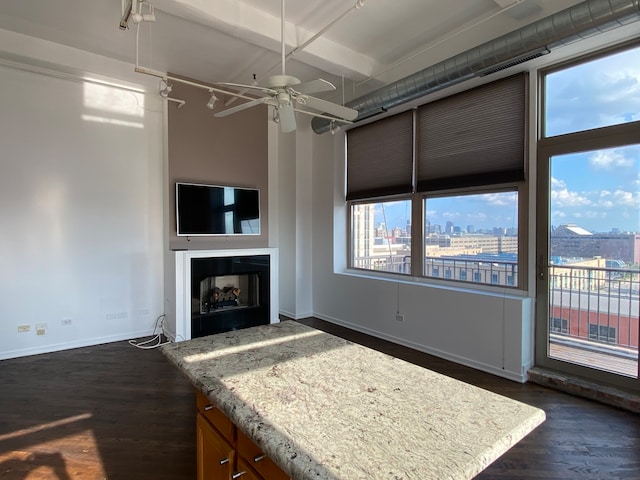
(325, 408)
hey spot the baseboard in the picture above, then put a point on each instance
(75, 344)
(295, 316)
(516, 377)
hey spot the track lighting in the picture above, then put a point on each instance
(334, 128)
(166, 90)
(276, 115)
(136, 14)
(211, 104)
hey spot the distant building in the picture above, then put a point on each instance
(482, 243)
(448, 227)
(570, 240)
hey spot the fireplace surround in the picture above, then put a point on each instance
(224, 290)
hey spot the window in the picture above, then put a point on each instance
(378, 244)
(602, 333)
(460, 160)
(588, 196)
(598, 93)
(558, 325)
(466, 229)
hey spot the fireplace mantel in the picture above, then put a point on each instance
(183, 261)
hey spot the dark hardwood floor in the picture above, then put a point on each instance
(115, 412)
(106, 412)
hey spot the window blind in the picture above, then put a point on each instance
(380, 158)
(473, 138)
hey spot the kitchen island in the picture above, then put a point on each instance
(322, 407)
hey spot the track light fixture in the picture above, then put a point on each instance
(136, 13)
(276, 115)
(165, 88)
(334, 127)
(211, 104)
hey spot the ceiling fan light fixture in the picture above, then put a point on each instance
(284, 91)
(211, 104)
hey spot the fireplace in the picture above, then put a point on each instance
(229, 293)
(222, 290)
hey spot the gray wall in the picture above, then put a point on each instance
(221, 151)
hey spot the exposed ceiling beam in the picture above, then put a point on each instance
(259, 28)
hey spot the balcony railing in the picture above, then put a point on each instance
(595, 311)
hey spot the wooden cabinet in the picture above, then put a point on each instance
(225, 453)
(215, 455)
(256, 458)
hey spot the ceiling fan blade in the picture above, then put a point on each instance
(243, 86)
(328, 107)
(314, 86)
(242, 106)
(287, 118)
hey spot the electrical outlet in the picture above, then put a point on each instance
(41, 328)
(24, 328)
(66, 321)
(399, 317)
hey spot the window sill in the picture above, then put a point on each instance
(463, 287)
(583, 388)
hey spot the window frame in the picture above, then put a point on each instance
(417, 236)
(521, 186)
(350, 239)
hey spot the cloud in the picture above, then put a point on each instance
(627, 199)
(606, 159)
(477, 216)
(602, 92)
(450, 215)
(556, 183)
(565, 198)
(499, 199)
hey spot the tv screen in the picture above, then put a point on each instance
(203, 210)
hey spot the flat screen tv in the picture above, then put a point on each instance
(207, 210)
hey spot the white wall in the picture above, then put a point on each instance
(286, 215)
(295, 223)
(80, 200)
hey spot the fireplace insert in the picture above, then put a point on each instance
(229, 293)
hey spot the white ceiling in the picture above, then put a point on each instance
(229, 40)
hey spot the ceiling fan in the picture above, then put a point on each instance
(284, 92)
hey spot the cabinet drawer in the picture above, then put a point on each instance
(246, 473)
(215, 456)
(256, 458)
(216, 417)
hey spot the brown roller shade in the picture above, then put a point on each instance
(474, 138)
(380, 158)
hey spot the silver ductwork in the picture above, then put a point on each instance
(567, 26)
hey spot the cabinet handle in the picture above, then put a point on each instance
(237, 475)
(208, 407)
(259, 458)
(223, 461)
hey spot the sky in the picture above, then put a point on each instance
(596, 190)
